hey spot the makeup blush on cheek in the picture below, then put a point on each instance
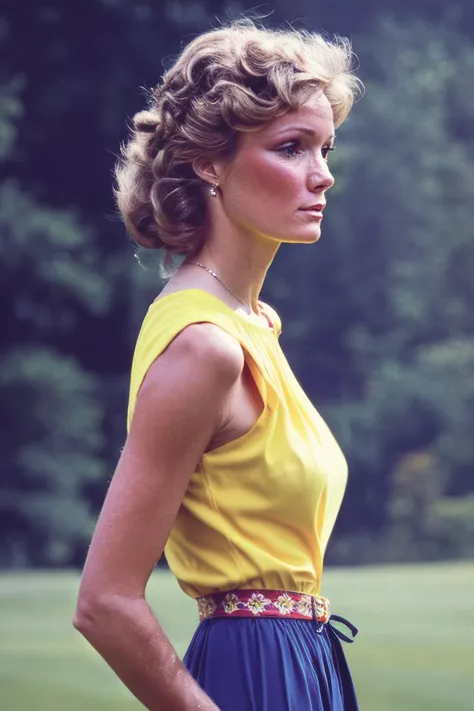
(272, 178)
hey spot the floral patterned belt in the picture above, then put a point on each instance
(272, 603)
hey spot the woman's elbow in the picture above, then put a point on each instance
(89, 613)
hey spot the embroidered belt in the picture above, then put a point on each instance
(272, 603)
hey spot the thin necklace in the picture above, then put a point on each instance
(198, 264)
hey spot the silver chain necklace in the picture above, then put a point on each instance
(198, 264)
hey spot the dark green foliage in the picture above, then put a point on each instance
(378, 318)
(51, 417)
(49, 443)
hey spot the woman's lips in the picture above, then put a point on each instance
(313, 212)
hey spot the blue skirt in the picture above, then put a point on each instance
(271, 664)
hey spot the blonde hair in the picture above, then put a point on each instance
(225, 81)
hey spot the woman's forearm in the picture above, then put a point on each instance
(126, 633)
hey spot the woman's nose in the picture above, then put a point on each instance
(321, 179)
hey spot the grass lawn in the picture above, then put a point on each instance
(415, 650)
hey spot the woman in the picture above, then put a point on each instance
(227, 466)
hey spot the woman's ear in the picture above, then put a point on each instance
(206, 170)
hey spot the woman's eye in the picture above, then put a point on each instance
(294, 149)
(290, 150)
(325, 151)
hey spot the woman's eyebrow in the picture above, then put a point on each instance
(302, 129)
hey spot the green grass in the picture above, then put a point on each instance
(415, 650)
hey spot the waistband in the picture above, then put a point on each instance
(272, 603)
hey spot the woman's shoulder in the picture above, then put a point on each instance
(206, 343)
(194, 319)
(189, 336)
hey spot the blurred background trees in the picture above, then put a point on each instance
(378, 318)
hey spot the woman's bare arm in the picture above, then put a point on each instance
(180, 406)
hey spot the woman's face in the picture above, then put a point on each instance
(276, 184)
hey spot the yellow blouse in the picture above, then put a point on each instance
(259, 510)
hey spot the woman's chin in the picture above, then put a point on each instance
(308, 237)
(299, 236)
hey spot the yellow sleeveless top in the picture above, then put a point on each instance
(259, 510)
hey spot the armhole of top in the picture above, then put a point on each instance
(257, 376)
(267, 397)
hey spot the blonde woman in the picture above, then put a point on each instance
(227, 466)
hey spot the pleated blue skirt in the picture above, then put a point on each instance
(271, 664)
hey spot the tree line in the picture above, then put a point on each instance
(378, 318)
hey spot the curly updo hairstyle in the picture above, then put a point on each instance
(229, 80)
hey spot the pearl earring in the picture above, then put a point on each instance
(213, 189)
